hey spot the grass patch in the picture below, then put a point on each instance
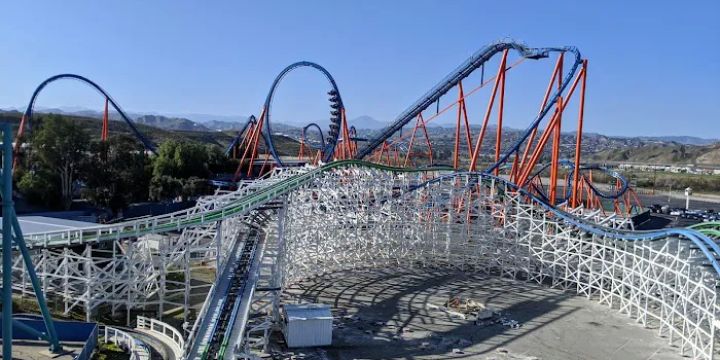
(110, 351)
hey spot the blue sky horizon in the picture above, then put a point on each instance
(654, 67)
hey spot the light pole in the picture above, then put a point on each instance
(688, 192)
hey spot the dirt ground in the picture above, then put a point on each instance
(401, 315)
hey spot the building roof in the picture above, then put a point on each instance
(39, 224)
(307, 312)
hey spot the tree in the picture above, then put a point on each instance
(187, 164)
(217, 162)
(195, 186)
(181, 160)
(38, 187)
(164, 188)
(58, 150)
(116, 173)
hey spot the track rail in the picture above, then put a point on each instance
(31, 106)
(333, 136)
(464, 70)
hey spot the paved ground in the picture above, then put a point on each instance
(385, 315)
(676, 202)
(38, 350)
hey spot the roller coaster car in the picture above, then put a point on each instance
(332, 92)
(335, 113)
(536, 54)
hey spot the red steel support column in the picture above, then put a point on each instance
(256, 129)
(501, 105)
(258, 134)
(410, 145)
(456, 151)
(20, 133)
(427, 139)
(478, 144)
(530, 141)
(301, 151)
(105, 130)
(526, 170)
(554, 162)
(578, 141)
(468, 134)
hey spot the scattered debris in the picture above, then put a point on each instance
(445, 310)
(510, 323)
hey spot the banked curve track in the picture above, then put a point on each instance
(183, 219)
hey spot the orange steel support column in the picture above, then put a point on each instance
(456, 151)
(20, 133)
(530, 141)
(427, 139)
(554, 166)
(546, 135)
(501, 105)
(554, 161)
(410, 145)
(346, 138)
(257, 128)
(258, 133)
(265, 162)
(578, 141)
(250, 140)
(478, 144)
(468, 134)
(247, 138)
(105, 130)
(301, 151)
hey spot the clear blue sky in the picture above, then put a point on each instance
(654, 65)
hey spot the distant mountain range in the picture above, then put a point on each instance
(366, 125)
(170, 123)
(687, 140)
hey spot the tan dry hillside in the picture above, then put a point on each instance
(662, 154)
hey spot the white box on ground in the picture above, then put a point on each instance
(307, 325)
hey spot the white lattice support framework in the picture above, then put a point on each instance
(151, 271)
(360, 220)
(357, 217)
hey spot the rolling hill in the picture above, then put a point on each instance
(663, 154)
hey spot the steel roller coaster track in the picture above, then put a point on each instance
(333, 134)
(464, 70)
(27, 116)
